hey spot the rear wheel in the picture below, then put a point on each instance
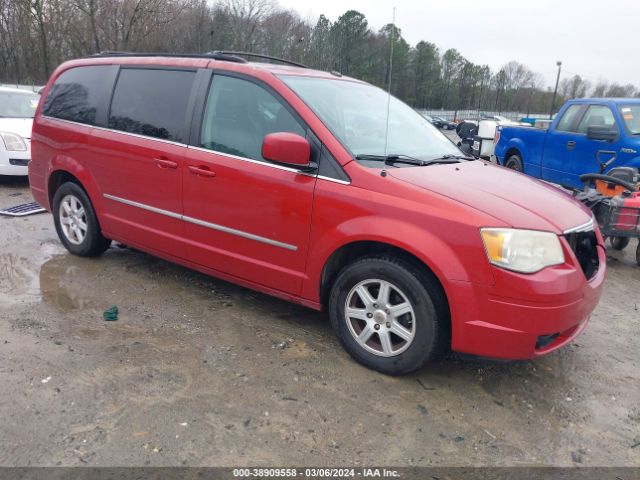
(619, 243)
(76, 222)
(389, 315)
(514, 162)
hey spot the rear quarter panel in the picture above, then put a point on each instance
(529, 142)
(61, 146)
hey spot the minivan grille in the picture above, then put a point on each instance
(585, 247)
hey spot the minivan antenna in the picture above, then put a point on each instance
(386, 129)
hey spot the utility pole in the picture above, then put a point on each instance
(480, 96)
(555, 92)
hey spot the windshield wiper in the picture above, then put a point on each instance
(392, 158)
(450, 158)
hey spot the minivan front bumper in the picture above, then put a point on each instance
(523, 316)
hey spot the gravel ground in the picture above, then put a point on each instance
(197, 371)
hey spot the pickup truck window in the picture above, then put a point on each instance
(631, 116)
(565, 123)
(597, 115)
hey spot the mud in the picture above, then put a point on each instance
(197, 371)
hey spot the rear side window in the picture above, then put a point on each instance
(76, 93)
(239, 114)
(152, 102)
(568, 117)
(597, 116)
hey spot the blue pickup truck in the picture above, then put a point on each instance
(588, 135)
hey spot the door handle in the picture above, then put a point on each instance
(571, 144)
(164, 163)
(202, 171)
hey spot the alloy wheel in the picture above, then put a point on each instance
(73, 219)
(380, 317)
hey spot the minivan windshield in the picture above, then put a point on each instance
(631, 116)
(356, 113)
(18, 104)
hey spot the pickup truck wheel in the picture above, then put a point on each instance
(76, 222)
(389, 315)
(514, 162)
(619, 243)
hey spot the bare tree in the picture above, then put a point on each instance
(36, 35)
(245, 17)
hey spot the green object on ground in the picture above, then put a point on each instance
(111, 314)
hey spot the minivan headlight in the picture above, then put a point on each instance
(525, 251)
(13, 142)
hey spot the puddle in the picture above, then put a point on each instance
(62, 280)
(63, 284)
(15, 274)
(19, 279)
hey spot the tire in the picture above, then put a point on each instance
(638, 253)
(619, 243)
(514, 162)
(76, 222)
(421, 307)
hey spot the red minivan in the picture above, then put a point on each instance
(319, 189)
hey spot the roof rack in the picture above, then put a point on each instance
(224, 55)
(211, 55)
(258, 55)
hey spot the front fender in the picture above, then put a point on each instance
(438, 255)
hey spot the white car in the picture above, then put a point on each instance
(17, 108)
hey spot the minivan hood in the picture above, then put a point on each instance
(514, 198)
(19, 126)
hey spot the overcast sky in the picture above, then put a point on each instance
(595, 39)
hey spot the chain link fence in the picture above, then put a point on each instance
(452, 115)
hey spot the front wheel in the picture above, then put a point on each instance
(514, 162)
(619, 243)
(638, 253)
(389, 315)
(76, 222)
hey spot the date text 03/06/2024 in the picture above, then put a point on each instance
(316, 472)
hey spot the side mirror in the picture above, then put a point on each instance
(601, 132)
(287, 148)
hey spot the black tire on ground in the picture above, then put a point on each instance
(638, 253)
(619, 243)
(91, 242)
(429, 319)
(514, 162)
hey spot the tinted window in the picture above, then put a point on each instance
(239, 114)
(567, 119)
(76, 93)
(151, 102)
(598, 116)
